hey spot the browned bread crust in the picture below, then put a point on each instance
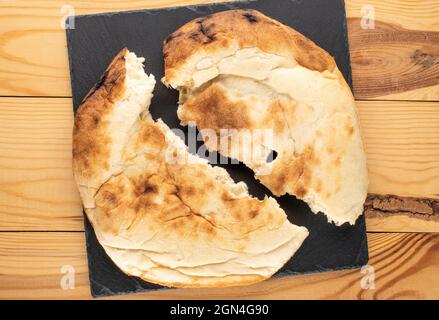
(91, 145)
(251, 29)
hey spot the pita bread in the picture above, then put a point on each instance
(163, 214)
(239, 71)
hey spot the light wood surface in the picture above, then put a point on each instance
(393, 61)
(40, 214)
(37, 191)
(33, 54)
(401, 222)
(412, 14)
(402, 147)
(405, 266)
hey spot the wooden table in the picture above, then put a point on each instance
(396, 78)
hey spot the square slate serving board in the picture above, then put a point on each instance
(97, 38)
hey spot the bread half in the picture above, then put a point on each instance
(163, 214)
(239, 71)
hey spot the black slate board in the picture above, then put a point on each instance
(96, 39)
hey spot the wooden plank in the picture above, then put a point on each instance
(401, 141)
(36, 181)
(414, 15)
(37, 191)
(422, 94)
(392, 62)
(397, 60)
(405, 267)
(400, 222)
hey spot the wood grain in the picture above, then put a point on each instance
(36, 182)
(401, 141)
(398, 60)
(400, 223)
(412, 14)
(37, 191)
(391, 60)
(33, 55)
(405, 265)
(421, 94)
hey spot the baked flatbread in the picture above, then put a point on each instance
(240, 71)
(163, 214)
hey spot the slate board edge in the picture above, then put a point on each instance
(149, 10)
